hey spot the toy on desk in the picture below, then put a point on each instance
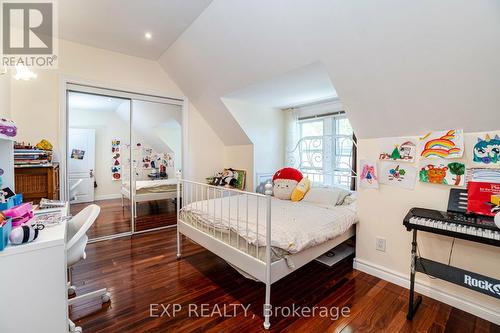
(3, 196)
(20, 214)
(23, 234)
(5, 227)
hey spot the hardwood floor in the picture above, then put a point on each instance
(115, 219)
(144, 270)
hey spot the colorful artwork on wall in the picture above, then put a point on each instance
(442, 172)
(368, 177)
(398, 149)
(398, 174)
(116, 169)
(487, 150)
(443, 144)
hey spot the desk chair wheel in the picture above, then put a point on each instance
(71, 290)
(106, 297)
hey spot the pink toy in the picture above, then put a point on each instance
(20, 214)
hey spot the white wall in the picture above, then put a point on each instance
(381, 214)
(35, 104)
(241, 157)
(5, 95)
(265, 127)
(108, 126)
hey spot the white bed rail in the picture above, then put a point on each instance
(226, 214)
(222, 216)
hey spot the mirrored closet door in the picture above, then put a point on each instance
(98, 160)
(123, 151)
(156, 158)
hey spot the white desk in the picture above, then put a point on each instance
(33, 294)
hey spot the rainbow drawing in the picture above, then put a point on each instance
(443, 144)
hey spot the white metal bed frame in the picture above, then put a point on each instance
(264, 270)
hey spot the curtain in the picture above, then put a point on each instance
(292, 157)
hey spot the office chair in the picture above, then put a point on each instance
(75, 251)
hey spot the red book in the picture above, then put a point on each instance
(480, 197)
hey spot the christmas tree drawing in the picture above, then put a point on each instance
(395, 154)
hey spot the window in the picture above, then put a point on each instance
(326, 150)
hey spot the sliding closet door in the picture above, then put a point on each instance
(156, 158)
(99, 160)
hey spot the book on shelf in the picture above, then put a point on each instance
(30, 157)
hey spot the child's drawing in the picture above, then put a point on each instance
(487, 150)
(403, 150)
(447, 144)
(398, 174)
(368, 177)
(442, 172)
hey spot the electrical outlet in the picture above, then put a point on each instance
(380, 244)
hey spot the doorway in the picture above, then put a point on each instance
(123, 151)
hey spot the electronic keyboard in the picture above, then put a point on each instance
(474, 228)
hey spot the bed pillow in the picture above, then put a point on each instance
(326, 196)
(301, 189)
(350, 199)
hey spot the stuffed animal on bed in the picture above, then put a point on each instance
(229, 178)
(285, 181)
(301, 189)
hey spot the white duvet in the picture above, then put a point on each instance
(295, 226)
(140, 184)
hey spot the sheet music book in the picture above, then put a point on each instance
(483, 187)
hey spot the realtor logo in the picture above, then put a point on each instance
(28, 33)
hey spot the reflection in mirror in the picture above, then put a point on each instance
(98, 158)
(156, 158)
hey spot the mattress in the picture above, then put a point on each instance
(295, 226)
(153, 186)
(155, 183)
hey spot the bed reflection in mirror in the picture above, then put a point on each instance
(156, 158)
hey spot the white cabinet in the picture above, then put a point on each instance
(33, 290)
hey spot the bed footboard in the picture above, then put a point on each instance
(217, 218)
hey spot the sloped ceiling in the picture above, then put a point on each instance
(399, 68)
(305, 85)
(120, 26)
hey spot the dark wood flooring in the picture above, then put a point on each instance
(115, 219)
(143, 270)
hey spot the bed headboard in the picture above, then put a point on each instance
(327, 160)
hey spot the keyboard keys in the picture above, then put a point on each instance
(462, 225)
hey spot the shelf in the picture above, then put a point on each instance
(7, 138)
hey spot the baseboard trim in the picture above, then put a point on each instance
(107, 197)
(400, 279)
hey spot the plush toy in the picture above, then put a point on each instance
(217, 179)
(301, 189)
(44, 145)
(285, 181)
(23, 234)
(229, 178)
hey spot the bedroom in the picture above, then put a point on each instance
(249, 81)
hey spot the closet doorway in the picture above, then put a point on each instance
(122, 152)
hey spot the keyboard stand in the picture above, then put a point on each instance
(470, 280)
(413, 306)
